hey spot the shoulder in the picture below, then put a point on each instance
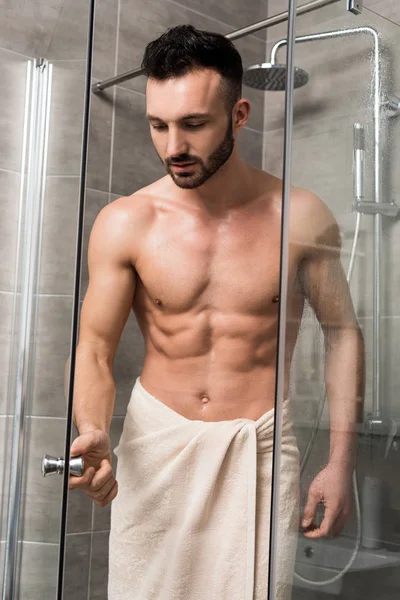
(120, 226)
(312, 223)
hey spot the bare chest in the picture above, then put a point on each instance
(229, 267)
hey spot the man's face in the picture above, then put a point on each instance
(190, 126)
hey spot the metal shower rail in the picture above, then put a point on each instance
(235, 35)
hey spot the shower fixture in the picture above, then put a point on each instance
(271, 77)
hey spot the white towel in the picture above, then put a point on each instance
(192, 517)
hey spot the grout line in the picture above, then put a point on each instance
(75, 534)
(98, 191)
(26, 56)
(10, 171)
(69, 296)
(55, 544)
(381, 16)
(128, 89)
(67, 60)
(253, 130)
(63, 176)
(196, 12)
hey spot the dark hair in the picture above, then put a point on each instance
(184, 48)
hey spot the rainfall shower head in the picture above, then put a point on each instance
(272, 77)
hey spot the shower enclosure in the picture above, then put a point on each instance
(323, 79)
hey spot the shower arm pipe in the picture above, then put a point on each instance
(235, 35)
(377, 105)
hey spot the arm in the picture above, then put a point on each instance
(326, 289)
(105, 310)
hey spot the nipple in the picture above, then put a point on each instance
(158, 301)
(275, 299)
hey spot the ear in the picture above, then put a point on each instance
(241, 112)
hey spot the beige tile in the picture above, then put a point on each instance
(41, 511)
(69, 37)
(66, 118)
(99, 567)
(53, 338)
(6, 431)
(389, 9)
(13, 76)
(77, 561)
(39, 571)
(27, 27)
(250, 147)
(135, 162)
(234, 13)
(9, 202)
(6, 324)
(99, 149)
(105, 38)
(95, 201)
(60, 223)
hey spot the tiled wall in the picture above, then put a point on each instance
(56, 31)
(337, 95)
(122, 158)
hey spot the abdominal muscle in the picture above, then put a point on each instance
(211, 367)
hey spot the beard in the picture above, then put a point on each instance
(190, 179)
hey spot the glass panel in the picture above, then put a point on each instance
(343, 227)
(40, 167)
(149, 548)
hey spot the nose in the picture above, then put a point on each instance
(176, 144)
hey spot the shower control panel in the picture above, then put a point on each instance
(355, 6)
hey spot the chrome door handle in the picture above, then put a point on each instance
(51, 465)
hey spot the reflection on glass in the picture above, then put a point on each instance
(343, 146)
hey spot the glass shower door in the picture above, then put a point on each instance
(344, 153)
(43, 129)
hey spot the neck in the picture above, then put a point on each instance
(228, 188)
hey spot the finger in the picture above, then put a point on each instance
(102, 476)
(310, 509)
(76, 483)
(102, 492)
(85, 442)
(339, 524)
(326, 527)
(110, 496)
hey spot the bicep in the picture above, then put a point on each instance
(110, 293)
(326, 289)
(322, 275)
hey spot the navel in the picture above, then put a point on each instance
(205, 399)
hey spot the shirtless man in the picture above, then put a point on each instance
(196, 255)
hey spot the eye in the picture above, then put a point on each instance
(195, 125)
(159, 127)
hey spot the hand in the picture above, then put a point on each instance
(333, 488)
(98, 481)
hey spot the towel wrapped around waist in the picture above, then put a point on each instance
(192, 517)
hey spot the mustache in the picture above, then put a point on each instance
(182, 158)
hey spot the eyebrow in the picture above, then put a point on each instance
(184, 118)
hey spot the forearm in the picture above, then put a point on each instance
(94, 390)
(345, 380)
